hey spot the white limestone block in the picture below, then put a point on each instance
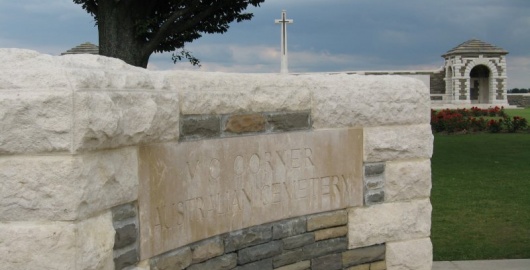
(112, 76)
(407, 180)
(86, 102)
(398, 142)
(409, 255)
(26, 69)
(66, 187)
(223, 93)
(35, 121)
(110, 119)
(367, 101)
(107, 179)
(95, 242)
(37, 245)
(58, 245)
(389, 222)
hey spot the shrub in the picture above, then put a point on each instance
(514, 124)
(477, 124)
(494, 126)
(448, 120)
(458, 120)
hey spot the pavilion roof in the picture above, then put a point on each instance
(85, 48)
(474, 46)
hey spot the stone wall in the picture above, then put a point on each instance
(519, 100)
(438, 82)
(73, 128)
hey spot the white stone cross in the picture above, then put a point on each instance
(284, 21)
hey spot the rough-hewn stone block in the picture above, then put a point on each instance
(111, 119)
(224, 262)
(373, 197)
(58, 245)
(289, 121)
(369, 101)
(290, 227)
(374, 169)
(94, 241)
(331, 233)
(289, 257)
(398, 142)
(129, 258)
(303, 265)
(35, 121)
(244, 123)
(123, 212)
(259, 252)
(66, 187)
(259, 265)
(406, 180)
(207, 249)
(298, 240)
(327, 262)
(326, 220)
(374, 183)
(325, 247)
(402, 221)
(359, 267)
(363, 255)
(412, 254)
(176, 259)
(381, 265)
(248, 237)
(200, 126)
(125, 236)
(226, 93)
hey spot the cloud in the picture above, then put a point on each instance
(331, 35)
(518, 72)
(63, 8)
(258, 59)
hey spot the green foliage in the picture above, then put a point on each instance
(184, 54)
(480, 197)
(167, 25)
(494, 126)
(474, 120)
(524, 113)
(519, 91)
(515, 123)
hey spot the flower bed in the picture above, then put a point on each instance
(492, 120)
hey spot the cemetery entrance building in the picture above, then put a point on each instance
(475, 73)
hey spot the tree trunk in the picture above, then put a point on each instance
(117, 37)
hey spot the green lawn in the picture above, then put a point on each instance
(481, 196)
(525, 113)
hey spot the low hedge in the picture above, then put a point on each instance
(492, 120)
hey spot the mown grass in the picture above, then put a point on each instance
(481, 196)
(524, 113)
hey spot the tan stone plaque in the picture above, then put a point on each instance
(194, 190)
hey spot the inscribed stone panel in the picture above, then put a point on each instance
(193, 190)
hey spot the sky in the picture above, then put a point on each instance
(326, 36)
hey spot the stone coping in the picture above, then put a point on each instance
(79, 103)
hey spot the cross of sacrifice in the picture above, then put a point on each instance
(284, 21)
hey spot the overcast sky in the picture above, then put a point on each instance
(327, 35)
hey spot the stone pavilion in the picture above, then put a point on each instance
(475, 73)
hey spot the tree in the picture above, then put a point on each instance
(132, 30)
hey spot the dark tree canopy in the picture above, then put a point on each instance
(134, 29)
